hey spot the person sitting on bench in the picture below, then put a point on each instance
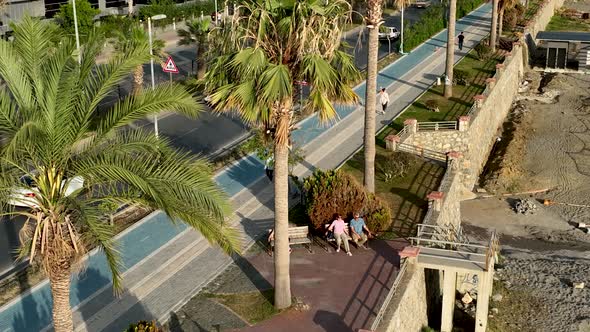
(357, 227)
(339, 228)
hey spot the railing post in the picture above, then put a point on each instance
(391, 142)
(412, 125)
(453, 157)
(436, 198)
(436, 126)
(478, 100)
(464, 122)
(491, 82)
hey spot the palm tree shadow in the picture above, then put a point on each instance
(34, 314)
(82, 288)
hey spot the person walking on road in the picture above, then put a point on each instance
(384, 99)
(461, 39)
(269, 167)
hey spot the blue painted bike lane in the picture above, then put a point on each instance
(32, 310)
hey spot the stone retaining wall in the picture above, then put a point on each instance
(408, 306)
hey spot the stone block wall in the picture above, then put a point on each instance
(543, 16)
(443, 141)
(408, 306)
(486, 119)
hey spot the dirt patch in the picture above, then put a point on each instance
(548, 145)
(580, 5)
(545, 144)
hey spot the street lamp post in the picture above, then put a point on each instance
(401, 42)
(76, 31)
(155, 18)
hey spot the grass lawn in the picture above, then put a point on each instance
(253, 307)
(563, 23)
(478, 71)
(406, 196)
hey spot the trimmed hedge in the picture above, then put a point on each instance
(433, 21)
(179, 12)
(333, 191)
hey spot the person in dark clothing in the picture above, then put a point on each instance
(461, 39)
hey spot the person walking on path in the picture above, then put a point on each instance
(384, 100)
(358, 228)
(269, 167)
(461, 39)
(339, 228)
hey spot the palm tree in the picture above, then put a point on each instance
(503, 5)
(275, 44)
(128, 38)
(373, 19)
(196, 33)
(448, 90)
(494, 28)
(52, 132)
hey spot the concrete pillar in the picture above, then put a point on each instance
(478, 100)
(435, 199)
(454, 159)
(499, 68)
(412, 125)
(391, 142)
(484, 291)
(448, 302)
(464, 122)
(491, 82)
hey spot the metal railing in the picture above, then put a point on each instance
(392, 290)
(422, 152)
(436, 126)
(404, 133)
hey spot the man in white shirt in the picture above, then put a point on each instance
(384, 100)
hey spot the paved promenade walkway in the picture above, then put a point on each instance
(166, 264)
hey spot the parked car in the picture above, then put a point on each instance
(422, 3)
(389, 33)
(26, 196)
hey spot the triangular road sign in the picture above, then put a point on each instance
(170, 66)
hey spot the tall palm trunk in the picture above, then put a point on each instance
(281, 184)
(59, 280)
(130, 7)
(501, 22)
(137, 79)
(373, 20)
(494, 29)
(201, 60)
(450, 49)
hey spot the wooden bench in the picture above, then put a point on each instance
(298, 235)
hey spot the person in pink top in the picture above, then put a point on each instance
(340, 233)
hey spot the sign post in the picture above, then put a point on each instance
(170, 67)
(301, 84)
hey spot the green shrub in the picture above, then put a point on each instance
(172, 11)
(461, 77)
(433, 21)
(84, 14)
(431, 104)
(520, 10)
(330, 192)
(509, 20)
(483, 50)
(143, 326)
(394, 165)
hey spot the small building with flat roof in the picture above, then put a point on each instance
(564, 49)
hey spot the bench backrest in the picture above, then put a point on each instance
(301, 231)
(328, 225)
